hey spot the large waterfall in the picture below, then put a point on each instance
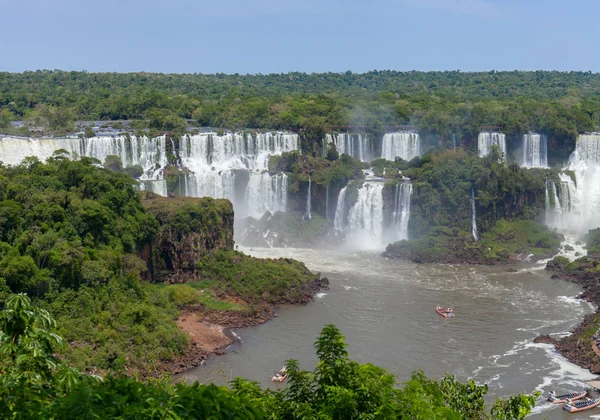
(580, 197)
(553, 206)
(486, 140)
(473, 217)
(234, 166)
(365, 218)
(401, 213)
(355, 145)
(405, 145)
(339, 221)
(231, 165)
(362, 219)
(534, 153)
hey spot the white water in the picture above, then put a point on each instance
(339, 221)
(401, 214)
(534, 153)
(405, 145)
(308, 203)
(580, 199)
(148, 153)
(553, 206)
(232, 165)
(327, 202)
(473, 216)
(355, 145)
(365, 218)
(486, 140)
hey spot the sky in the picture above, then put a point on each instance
(277, 36)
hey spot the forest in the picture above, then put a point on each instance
(438, 104)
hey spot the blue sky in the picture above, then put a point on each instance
(237, 36)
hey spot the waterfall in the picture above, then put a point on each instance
(365, 218)
(355, 145)
(234, 166)
(454, 140)
(308, 206)
(401, 213)
(231, 165)
(553, 206)
(264, 192)
(473, 216)
(580, 197)
(327, 202)
(340, 211)
(534, 151)
(405, 145)
(486, 140)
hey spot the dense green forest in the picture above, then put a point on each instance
(439, 104)
(35, 384)
(79, 240)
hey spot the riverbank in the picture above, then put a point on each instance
(209, 329)
(578, 347)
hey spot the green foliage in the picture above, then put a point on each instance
(444, 182)
(502, 243)
(438, 104)
(339, 388)
(66, 223)
(254, 279)
(592, 240)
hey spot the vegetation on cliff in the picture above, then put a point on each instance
(78, 239)
(507, 241)
(34, 384)
(508, 202)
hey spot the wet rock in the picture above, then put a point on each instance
(544, 338)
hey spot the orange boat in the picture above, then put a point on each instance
(445, 312)
(587, 404)
(561, 399)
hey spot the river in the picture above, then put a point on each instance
(385, 308)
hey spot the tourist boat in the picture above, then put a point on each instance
(563, 398)
(280, 376)
(445, 312)
(582, 405)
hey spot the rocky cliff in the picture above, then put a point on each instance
(189, 229)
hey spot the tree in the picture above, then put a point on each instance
(6, 117)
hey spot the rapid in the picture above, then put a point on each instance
(385, 308)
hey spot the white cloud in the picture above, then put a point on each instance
(482, 8)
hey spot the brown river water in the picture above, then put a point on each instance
(385, 308)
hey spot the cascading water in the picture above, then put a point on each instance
(486, 140)
(553, 207)
(534, 153)
(401, 214)
(580, 197)
(405, 145)
(352, 144)
(365, 218)
(327, 202)
(148, 153)
(473, 217)
(308, 204)
(233, 165)
(339, 221)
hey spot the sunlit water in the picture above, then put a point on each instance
(385, 308)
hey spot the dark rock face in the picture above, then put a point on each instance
(545, 338)
(190, 228)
